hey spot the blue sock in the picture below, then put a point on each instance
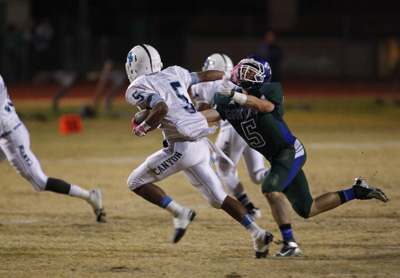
(165, 201)
(347, 195)
(286, 232)
(246, 221)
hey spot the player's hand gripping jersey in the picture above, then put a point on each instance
(182, 121)
(204, 93)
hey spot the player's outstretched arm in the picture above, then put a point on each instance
(211, 115)
(211, 75)
(261, 105)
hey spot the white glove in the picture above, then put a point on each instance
(227, 75)
(225, 89)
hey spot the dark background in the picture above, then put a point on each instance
(88, 32)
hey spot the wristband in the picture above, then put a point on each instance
(239, 98)
(145, 126)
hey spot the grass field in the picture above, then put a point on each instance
(50, 235)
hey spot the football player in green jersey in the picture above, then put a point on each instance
(255, 111)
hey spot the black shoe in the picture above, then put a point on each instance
(289, 249)
(364, 191)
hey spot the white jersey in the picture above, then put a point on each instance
(181, 126)
(182, 121)
(8, 117)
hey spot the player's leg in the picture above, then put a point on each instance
(16, 146)
(281, 213)
(284, 169)
(255, 164)
(159, 166)
(232, 145)
(360, 190)
(204, 178)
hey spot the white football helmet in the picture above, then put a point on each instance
(142, 59)
(218, 61)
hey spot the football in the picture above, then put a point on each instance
(141, 116)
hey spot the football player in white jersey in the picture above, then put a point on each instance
(187, 148)
(228, 140)
(15, 146)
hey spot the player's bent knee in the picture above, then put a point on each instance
(302, 210)
(256, 176)
(254, 179)
(134, 182)
(271, 183)
(38, 187)
(38, 184)
(215, 204)
(213, 201)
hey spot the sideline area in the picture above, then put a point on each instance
(290, 87)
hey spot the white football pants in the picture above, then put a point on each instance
(193, 158)
(16, 148)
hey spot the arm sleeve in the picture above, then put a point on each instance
(142, 97)
(195, 78)
(152, 100)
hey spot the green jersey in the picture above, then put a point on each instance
(269, 134)
(265, 132)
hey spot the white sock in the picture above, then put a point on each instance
(174, 208)
(253, 229)
(77, 191)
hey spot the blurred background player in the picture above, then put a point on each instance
(228, 140)
(264, 129)
(187, 148)
(272, 52)
(15, 146)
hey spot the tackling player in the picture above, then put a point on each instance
(228, 139)
(15, 146)
(257, 115)
(187, 148)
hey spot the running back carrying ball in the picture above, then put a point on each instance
(139, 125)
(141, 116)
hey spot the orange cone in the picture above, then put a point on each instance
(71, 123)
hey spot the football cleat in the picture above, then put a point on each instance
(364, 191)
(254, 212)
(289, 249)
(181, 222)
(96, 201)
(261, 244)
